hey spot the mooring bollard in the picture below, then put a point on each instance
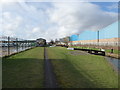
(112, 50)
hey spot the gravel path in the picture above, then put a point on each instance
(50, 79)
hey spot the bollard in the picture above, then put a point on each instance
(112, 50)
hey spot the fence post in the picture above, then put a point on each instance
(22, 45)
(8, 46)
(31, 44)
(25, 44)
(17, 45)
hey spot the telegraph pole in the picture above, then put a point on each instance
(98, 37)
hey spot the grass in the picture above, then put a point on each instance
(24, 70)
(81, 71)
(106, 50)
(114, 52)
(0, 72)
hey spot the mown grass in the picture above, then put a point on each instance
(24, 70)
(0, 72)
(114, 51)
(81, 71)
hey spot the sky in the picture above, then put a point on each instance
(54, 20)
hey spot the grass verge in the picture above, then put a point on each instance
(82, 71)
(23, 70)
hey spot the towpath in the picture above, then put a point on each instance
(50, 78)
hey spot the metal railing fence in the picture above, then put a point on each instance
(11, 45)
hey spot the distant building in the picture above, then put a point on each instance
(41, 42)
(65, 40)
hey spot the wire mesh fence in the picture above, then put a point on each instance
(11, 45)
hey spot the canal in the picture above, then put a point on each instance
(114, 62)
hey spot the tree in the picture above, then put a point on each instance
(52, 42)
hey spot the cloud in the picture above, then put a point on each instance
(113, 6)
(73, 18)
(10, 23)
(35, 29)
(53, 20)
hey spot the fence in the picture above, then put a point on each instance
(10, 45)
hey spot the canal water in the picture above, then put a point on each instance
(115, 62)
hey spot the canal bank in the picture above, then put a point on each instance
(79, 69)
(114, 62)
(113, 59)
(108, 52)
(112, 55)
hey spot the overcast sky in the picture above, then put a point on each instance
(51, 20)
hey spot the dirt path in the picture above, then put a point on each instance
(50, 79)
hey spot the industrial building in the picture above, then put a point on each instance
(108, 36)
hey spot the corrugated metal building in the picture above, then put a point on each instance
(106, 36)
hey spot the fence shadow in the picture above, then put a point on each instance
(22, 73)
(29, 73)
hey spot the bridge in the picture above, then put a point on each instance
(96, 52)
